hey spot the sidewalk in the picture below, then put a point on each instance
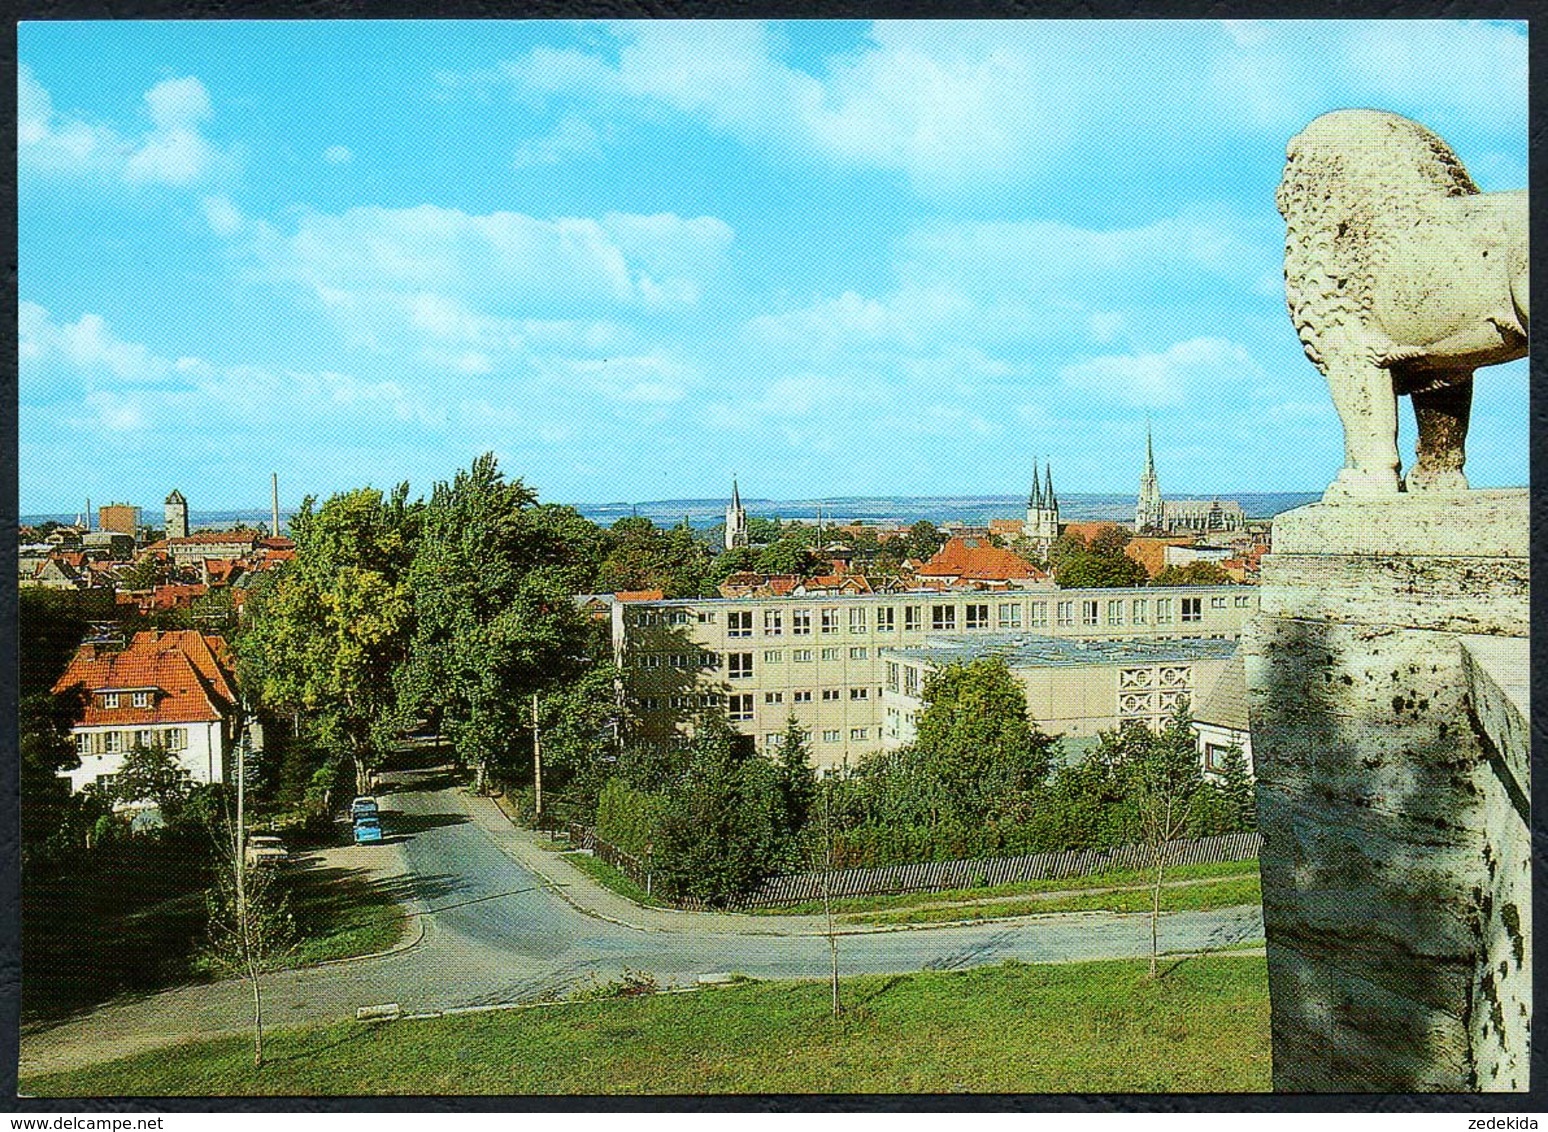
(526, 848)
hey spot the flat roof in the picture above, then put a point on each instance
(1031, 650)
(925, 597)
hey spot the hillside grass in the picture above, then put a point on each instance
(340, 915)
(1116, 878)
(1056, 1028)
(613, 879)
(1191, 896)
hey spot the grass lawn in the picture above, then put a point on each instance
(1193, 896)
(1080, 1027)
(609, 877)
(339, 913)
(1189, 888)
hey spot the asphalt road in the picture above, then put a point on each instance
(495, 931)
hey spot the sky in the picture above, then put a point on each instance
(831, 258)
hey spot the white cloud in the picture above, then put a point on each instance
(982, 283)
(178, 103)
(46, 140)
(617, 260)
(472, 293)
(172, 152)
(1198, 367)
(338, 155)
(222, 216)
(572, 137)
(946, 114)
(128, 388)
(86, 345)
(965, 105)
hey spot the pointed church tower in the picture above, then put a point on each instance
(1034, 505)
(1148, 512)
(736, 520)
(1042, 525)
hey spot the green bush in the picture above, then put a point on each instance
(627, 818)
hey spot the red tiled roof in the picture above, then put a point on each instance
(206, 538)
(189, 671)
(222, 570)
(1006, 526)
(781, 585)
(1088, 530)
(640, 595)
(977, 559)
(174, 596)
(852, 582)
(277, 542)
(1150, 551)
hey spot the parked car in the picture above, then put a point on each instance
(364, 806)
(265, 849)
(368, 829)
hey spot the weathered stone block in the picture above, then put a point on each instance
(1392, 768)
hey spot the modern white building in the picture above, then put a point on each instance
(1073, 687)
(819, 658)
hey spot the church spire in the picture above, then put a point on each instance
(736, 519)
(1050, 500)
(1150, 455)
(1035, 500)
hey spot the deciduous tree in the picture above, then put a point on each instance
(323, 639)
(491, 587)
(153, 774)
(975, 739)
(1087, 570)
(1198, 573)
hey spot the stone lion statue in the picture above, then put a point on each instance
(1401, 278)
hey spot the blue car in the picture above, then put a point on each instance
(368, 829)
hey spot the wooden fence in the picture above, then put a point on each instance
(941, 876)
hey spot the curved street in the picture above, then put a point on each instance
(500, 918)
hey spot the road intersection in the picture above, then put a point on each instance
(500, 918)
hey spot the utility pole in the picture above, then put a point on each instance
(827, 882)
(241, 829)
(537, 757)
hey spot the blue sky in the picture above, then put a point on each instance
(632, 259)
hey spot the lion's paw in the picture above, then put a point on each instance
(1440, 481)
(1356, 483)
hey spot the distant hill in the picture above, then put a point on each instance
(975, 510)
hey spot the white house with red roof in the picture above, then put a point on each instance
(172, 689)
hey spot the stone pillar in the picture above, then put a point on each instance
(1386, 676)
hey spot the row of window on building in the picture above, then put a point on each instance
(739, 705)
(739, 665)
(944, 617)
(144, 698)
(118, 742)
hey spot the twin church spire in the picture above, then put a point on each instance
(1042, 525)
